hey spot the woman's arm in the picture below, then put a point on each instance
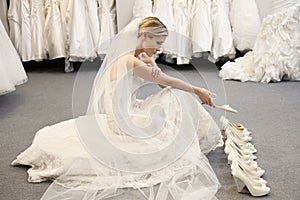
(141, 70)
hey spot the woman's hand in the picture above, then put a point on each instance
(204, 95)
(155, 71)
(146, 59)
(150, 63)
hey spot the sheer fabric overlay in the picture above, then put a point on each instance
(125, 147)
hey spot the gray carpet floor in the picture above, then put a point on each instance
(271, 111)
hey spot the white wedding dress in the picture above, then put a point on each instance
(164, 11)
(3, 15)
(126, 142)
(275, 56)
(56, 148)
(245, 23)
(181, 10)
(201, 27)
(222, 45)
(108, 28)
(12, 72)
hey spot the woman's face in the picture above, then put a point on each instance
(152, 44)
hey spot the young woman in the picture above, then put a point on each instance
(154, 146)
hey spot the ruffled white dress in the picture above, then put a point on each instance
(12, 72)
(275, 55)
(58, 150)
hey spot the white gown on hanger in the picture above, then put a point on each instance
(3, 15)
(108, 25)
(53, 34)
(275, 55)
(37, 23)
(222, 34)
(245, 23)
(14, 19)
(164, 11)
(12, 72)
(181, 10)
(142, 9)
(201, 27)
(26, 34)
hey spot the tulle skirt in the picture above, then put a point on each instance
(61, 153)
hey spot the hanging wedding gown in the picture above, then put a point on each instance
(275, 55)
(245, 23)
(3, 15)
(53, 31)
(37, 23)
(12, 72)
(201, 27)
(125, 142)
(15, 20)
(164, 11)
(181, 10)
(222, 35)
(84, 30)
(108, 27)
(26, 31)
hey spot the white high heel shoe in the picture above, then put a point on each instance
(242, 128)
(255, 178)
(242, 179)
(240, 143)
(239, 127)
(239, 136)
(245, 154)
(249, 166)
(226, 107)
(230, 144)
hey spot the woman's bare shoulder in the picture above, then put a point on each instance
(134, 61)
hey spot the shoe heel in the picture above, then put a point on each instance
(240, 185)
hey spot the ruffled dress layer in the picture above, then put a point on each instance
(276, 53)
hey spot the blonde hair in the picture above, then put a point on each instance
(153, 26)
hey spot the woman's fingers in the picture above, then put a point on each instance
(155, 72)
(207, 99)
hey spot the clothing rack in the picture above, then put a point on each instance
(124, 12)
